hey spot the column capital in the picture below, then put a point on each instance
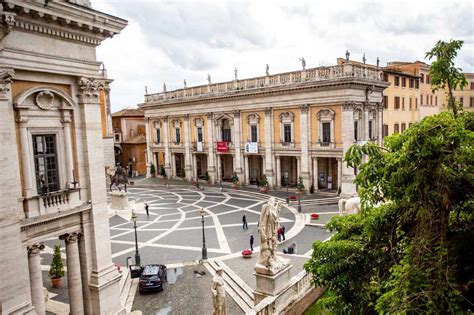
(6, 76)
(236, 113)
(304, 108)
(22, 120)
(186, 117)
(66, 120)
(268, 111)
(209, 115)
(35, 249)
(89, 89)
(71, 237)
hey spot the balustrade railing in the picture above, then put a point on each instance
(314, 74)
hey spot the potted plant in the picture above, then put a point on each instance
(293, 198)
(300, 185)
(152, 170)
(246, 253)
(235, 180)
(163, 172)
(206, 176)
(264, 184)
(314, 216)
(56, 269)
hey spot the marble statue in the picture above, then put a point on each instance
(363, 58)
(184, 83)
(303, 63)
(378, 62)
(164, 87)
(208, 78)
(218, 294)
(268, 261)
(267, 69)
(349, 206)
(235, 74)
(146, 90)
(348, 54)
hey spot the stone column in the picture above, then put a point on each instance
(298, 168)
(85, 261)
(194, 167)
(304, 137)
(148, 148)
(315, 174)
(347, 133)
(36, 279)
(28, 185)
(66, 121)
(187, 148)
(268, 169)
(74, 281)
(219, 168)
(339, 172)
(211, 168)
(238, 153)
(278, 171)
(166, 132)
(104, 277)
(246, 170)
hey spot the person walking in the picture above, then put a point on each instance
(244, 223)
(251, 242)
(283, 230)
(279, 233)
(146, 209)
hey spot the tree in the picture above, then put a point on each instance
(443, 72)
(410, 249)
(56, 269)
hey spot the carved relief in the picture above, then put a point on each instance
(325, 113)
(5, 81)
(253, 119)
(176, 123)
(268, 111)
(287, 117)
(304, 108)
(9, 20)
(71, 237)
(44, 100)
(198, 122)
(89, 89)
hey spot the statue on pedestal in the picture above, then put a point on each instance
(218, 294)
(268, 261)
(119, 178)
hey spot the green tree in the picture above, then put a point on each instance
(56, 269)
(410, 250)
(443, 72)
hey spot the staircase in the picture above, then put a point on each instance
(241, 292)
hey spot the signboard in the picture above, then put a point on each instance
(251, 147)
(222, 146)
(199, 147)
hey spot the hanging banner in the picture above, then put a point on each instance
(222, 146)
(199, 147)
(251, 147)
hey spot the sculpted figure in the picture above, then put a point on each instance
(164, 87)
(235, 74)
(119, 178)
(303, 63)
(208, 78)
(267, 69)
(218, 294)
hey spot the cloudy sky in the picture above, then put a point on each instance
(170, 40)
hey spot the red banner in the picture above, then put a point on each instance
(222, 146)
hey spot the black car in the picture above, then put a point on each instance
(152, 278)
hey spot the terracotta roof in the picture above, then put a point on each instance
(135, 140)
(129, 112)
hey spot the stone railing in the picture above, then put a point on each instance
(298, 287)
(310, 75)
(56, 201)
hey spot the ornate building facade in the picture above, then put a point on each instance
(52, 153)
(284, 126)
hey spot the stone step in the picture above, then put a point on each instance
(243, 300)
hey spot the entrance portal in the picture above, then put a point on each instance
(179, 164)
(255, 169)
(201, 165)
(327, 173)
(227, 167)
(289, 169)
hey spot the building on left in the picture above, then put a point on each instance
(53, 122)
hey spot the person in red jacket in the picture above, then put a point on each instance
(280, 232)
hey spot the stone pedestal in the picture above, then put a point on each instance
(271, 284)
(119, 200)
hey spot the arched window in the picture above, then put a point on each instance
(326, 127)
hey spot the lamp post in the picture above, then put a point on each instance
(137, 254)
(204, 249)
(299, 201)
(287, 193)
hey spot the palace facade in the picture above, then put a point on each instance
(53, 124)
(285, 126)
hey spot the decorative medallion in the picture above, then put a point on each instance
(44, 100)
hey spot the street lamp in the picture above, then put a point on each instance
(137, 254)
(287, 193)
(204, 249)
(299, 201)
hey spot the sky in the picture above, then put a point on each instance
(168, 41)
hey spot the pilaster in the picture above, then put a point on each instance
(347, 133)
(166, 132)
(268, 170)
(187, 148)
(304, 137)
(211, 164)
(237, 150)
(148, 148)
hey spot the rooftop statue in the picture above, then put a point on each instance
(303, 63)
(267, 70)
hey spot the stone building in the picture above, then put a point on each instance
(284, 126)
(52, 153)
(466, 95)
(130, 140)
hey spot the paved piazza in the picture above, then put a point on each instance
(173, 232)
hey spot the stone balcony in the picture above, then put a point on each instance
(53, 202)
(346, 71)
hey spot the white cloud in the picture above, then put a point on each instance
(170, 40)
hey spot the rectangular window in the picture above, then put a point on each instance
(396, 128)
(385, 101)
(385, 77)
(436, 100)
(410, 103)
(46, 163)
(370, 130)
(177, 135)
(356, 130)
(471, 104)
(326, 133)
(404, 126)
(461, 101)
(472, 85)
(158, 135)
(403, 103)
(287, 133)
(431, 99)
(417, 84)
(253, 133)
(422, 79)
(416, 103)
(385, 130)
(412, 83)
(199, 134)
(226, 135)
(427, 100)
(421, 99)
(404, 82)
(428, 80)
(397, 81)
(397, 102)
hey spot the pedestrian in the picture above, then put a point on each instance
(251, 242)
(146, 209)
(244, 223)
(283, 230)
(279, 233)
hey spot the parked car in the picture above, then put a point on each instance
(152, 278)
